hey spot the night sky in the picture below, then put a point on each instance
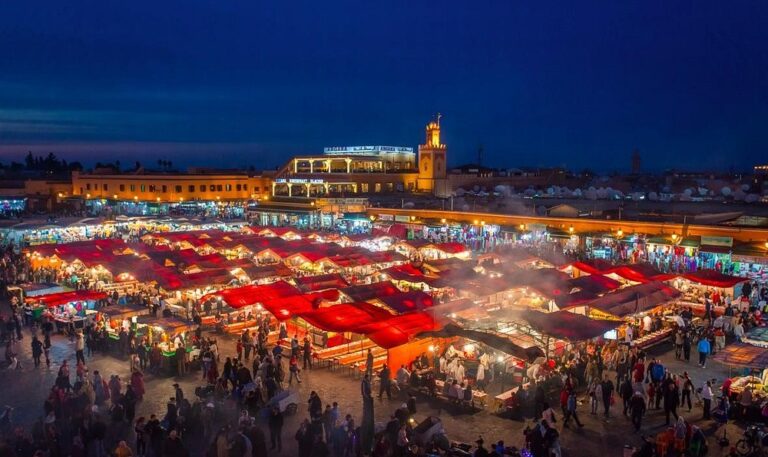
(237, 83)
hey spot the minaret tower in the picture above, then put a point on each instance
(432, 161)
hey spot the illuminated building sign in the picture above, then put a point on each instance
(299, 181)
(366, 150)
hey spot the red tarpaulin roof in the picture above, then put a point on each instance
(370, 291)
(597, 284)
(346, 317)
(451, 248)
(250, 295)
(408, 301)
(713, 278)
(399, 330)
(635, 299)
(593, 266)
(320, 282)
(639, 272)
(566, 325)
(63, 298)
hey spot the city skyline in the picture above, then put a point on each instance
(239, 86)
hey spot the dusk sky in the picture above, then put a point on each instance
(237, 83)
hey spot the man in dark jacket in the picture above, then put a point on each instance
(385, 382)
(626, 393)
(671, 400)
(608, 389)
(276, 429)
(637, 409)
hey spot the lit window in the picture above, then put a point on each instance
(212, 188)
(133, 187)
(228, 188)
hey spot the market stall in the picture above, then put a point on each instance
(65, 308)
(751, 361)
(699, 286)
(169, 334)
(638, 306)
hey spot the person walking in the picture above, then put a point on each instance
(637, 409)
(706, 398)
(592, 391)
(385, 382)
(687, 388)
(571, 410)
(307, 353)
(276, 429)
(626, 392)
(79, 346)
(671, 400)
(37, 350)
(369, 364)
(679, 344)
(365, 388)
(607, 391)
(704, 349)
(293, 368)
(687, 347)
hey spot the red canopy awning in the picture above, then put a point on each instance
(346, 317)
(451, 248)
(566, 325)
(370, 291)
(399, 330)
(320, 282)
(713, 278)
(62, 298)
(239, 297)
(408, 301)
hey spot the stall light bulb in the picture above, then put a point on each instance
(499, 359)
(431, 348)
(469, 348)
